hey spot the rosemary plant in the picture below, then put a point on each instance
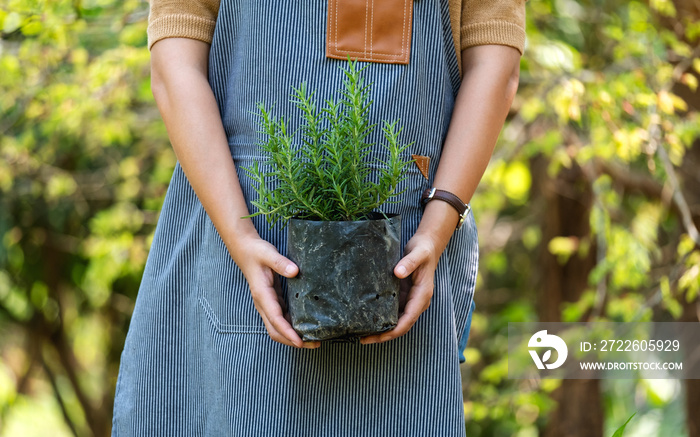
(329, 176)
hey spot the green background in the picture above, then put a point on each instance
(588, 210)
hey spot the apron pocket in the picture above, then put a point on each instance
(223, 292)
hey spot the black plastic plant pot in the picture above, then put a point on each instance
(346, 287)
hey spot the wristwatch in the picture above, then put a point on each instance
(435, 194)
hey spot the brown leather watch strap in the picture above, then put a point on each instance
(462, 208)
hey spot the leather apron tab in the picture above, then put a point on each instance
(423, 163)
(370, 30)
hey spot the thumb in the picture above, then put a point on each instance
(282, 265)
(409, 263)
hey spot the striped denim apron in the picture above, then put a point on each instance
(197, 359)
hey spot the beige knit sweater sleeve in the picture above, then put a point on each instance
(474, 22)
(481, 22)
(193, 19)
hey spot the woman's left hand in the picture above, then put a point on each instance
(488, 86)
(419, 263)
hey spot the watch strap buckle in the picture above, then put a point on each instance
(461, 207)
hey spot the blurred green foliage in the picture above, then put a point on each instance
(85, 162)
(598, 93)
(84, 165)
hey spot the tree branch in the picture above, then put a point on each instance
(54, 386)
(633, 181)
(651, 188)
(678, 198)
(93, 416)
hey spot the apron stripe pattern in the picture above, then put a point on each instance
(197, 359)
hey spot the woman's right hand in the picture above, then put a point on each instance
(179, 80)
(262, 265)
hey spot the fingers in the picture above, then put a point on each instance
(262, 253)
(281, 265)
(275, 335)
(404, 290)
(418, 301)
(267, 303)
(267, 297)
(311, 344)
(415, 257)
(419, 264)
(415, 306)
(276, 323)
(261, 266)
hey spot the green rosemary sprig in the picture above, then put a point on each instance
(329, 176)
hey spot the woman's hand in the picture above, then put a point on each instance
(261, 265)
(191, 115)
(418, 265)
(489, 84)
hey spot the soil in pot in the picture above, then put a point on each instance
(346, 287)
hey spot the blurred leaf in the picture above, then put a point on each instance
(690, 81)
(12, 22)
(516, 182)
(669, 301)
(563, 247)
(621, 429)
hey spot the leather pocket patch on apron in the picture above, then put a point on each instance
(370, 30)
